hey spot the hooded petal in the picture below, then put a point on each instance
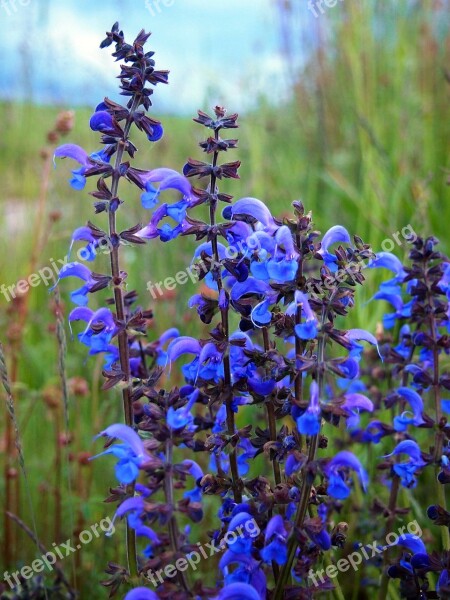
(73, 151)
(334, 235)
(141, 593)
(389, 261)
(125, 434)
(251, 207)
(183, 345)
(250, 286)
(236, 591)
(415, 401)
(101, 121)
(194, 469)
(346, 459)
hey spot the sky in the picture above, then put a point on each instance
(216, 50)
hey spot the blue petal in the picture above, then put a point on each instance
(157, 134)
(125, 434)
(101, 121)
(306, 331)
(149, 198)
(235, 591)
(308, 424)
(141, 593)
(334, 235)
(72, 151)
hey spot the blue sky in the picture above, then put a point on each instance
(217, 51)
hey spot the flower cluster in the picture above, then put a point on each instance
(276, 373)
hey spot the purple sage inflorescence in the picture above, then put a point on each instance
(256, 454)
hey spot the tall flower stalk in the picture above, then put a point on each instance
(276, 295)
(114, 122)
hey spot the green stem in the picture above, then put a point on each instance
(172, 525)
(271, 417)
(231, 426)
(307, 483)
(123, 336)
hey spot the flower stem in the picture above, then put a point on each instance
(307, 482)
(271, 417)
(124, 355)
(172, 525)
(231, 426)
(440, 492)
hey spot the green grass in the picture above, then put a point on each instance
(363, 143)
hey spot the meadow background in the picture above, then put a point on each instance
(360, 133)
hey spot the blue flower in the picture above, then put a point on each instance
(389, 261)
(406, 471)
(85, 234)
(308, 329)
(102, 121)
(76, 269)
(97, 341)
(356, 335)
(275, 549)
(309, 422)
(334, 235)
(168, 179)
(248, 573)
(335, 471)
(261, 315)
(412, 542)
(77, 153)
(353, 404)
(249, 452)
(141, 593)
(294, 463)
(195, 470)
(181, 417)
(244, 540)
(234, 591)
(253, 208)
(131, 453)
(401, 422)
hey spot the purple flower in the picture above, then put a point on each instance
(253, 208)
(309, 422)
(415, 401)
(76, 269)
(97, 341)
(234, 591)
(181, 417)
(131, 453)
(353, 404)
(102, 121)
(308, 329)
(406, 470)
(335, 471)
(248, 573)
(168, 179)
(141, 593)
(275, 542)
(336, 234)
(77, 153)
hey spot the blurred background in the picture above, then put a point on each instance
(343, 105)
